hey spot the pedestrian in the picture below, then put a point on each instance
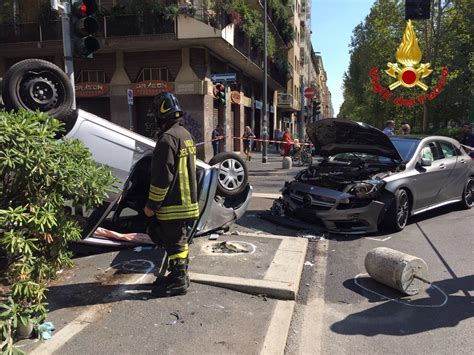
(467, 136)
(277, 136)
(389, 128)
(405, 129)
(172, 201)
(216, 137)
(247, 140)
(287, 145)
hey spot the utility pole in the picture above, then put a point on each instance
(265, 84)
(65, 8)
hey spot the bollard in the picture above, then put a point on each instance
(395, 269)
(287, 163)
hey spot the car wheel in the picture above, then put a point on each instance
(397, 215)
(468, 194)
(233, 174)
(36, 84)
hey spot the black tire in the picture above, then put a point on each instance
(397, 215)
(468, 194)
(233, 174)
(36, 84)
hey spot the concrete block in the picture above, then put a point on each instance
(287, 163)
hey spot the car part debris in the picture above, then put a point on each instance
(213, 236)
(174, 321)
(311, 237)
(398, 270)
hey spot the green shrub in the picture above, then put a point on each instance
(38, 174)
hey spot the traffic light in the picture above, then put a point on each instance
(219, 93)
(316, 108)
(417, 9)
(83, 27)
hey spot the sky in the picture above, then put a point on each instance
(332, 22)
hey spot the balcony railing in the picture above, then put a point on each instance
(114, 26)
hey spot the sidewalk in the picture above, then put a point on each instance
(104, 305)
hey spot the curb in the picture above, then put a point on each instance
(282, 278)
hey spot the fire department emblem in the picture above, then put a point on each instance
(408, 56)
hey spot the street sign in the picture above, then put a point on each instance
(225, 77)
(309, 93)
(130, 96)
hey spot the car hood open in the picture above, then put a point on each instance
(333, 136)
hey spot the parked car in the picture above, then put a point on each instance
(223, 190)
(366, 180)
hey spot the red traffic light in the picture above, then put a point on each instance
(83, 9)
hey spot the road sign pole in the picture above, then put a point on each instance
(67, 48)
(224, 141)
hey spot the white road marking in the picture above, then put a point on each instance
(265, 195)
(379, 240)
(312, 326)
(403, 302)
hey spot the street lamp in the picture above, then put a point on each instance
(264, 106)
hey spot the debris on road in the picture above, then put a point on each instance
(403, 272)
(232, 247)
(311, 237)
(174, 321)
(213, 236)
(45, 330)
(308, 263)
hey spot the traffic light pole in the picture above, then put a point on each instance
(265, 84)
(68, 59)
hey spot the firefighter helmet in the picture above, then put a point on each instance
(165, 106)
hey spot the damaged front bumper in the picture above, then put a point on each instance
(338, 212)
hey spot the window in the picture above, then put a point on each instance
(91, 76)
(448, 149)
(154, 74)
(430, 152)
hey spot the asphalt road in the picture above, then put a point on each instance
(340, 310)
(343, 313)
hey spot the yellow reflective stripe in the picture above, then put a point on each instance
(177, 215)
(181, 182)
(167, 209)
(154, 197)
(158, 190)
(186, 182)
(183, 255)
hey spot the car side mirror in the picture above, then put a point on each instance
(425, 162)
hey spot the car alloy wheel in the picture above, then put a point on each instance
(402, 209)
(231, 174)
(469, 193)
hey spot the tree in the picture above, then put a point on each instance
(446, 40)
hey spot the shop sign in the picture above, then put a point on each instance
(91, 89)
(258, 105)
(151, 87)
(285, 100)
(235, 97)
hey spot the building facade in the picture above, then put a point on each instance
(178, 52)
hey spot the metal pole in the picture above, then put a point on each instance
(68, 59)
(224, 141)
(265, 84)
(130, 117)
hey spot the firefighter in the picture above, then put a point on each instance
(172, 200)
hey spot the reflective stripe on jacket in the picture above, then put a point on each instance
(173, 187)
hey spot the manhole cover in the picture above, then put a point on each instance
(230, 247)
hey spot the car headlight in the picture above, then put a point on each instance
(366, 188)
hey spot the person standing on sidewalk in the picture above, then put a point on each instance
(172, 201)
(287, 144)
(216, 137)
(247, 140)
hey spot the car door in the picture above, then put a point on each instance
(455, 163)
(428, 180)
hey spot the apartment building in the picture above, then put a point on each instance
(161, 50)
